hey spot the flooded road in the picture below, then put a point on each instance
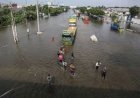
(24, 67)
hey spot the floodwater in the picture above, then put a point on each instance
(24, 66)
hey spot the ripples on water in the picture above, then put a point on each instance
(35, 56)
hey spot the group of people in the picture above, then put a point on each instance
(103, 69)
(72, 66)
(61, 60)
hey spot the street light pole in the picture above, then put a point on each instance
(48, 11)
(49, 4)
(25, 14)
(37, 12)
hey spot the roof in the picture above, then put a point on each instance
(120, 9)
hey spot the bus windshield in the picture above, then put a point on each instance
(66, 35)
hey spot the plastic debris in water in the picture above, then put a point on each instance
(93, 38)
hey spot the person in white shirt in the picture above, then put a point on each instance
(64, 64)
(97, 65)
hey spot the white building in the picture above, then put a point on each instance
(73, 7)
(118, 11)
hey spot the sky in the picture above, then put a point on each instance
(107, 3)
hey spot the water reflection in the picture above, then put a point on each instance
(36, 56)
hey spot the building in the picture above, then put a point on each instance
(73, 7)
(54, 6)
(118, 11)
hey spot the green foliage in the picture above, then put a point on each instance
(66, 8)
(6, 6)
(93, 10)
(114, 17)
(19, 16)
(6, 11)
(82, 9)
(96, 11)
(60, 10)
(27, 13)
(45, 9)
(5, 20)
(31, 15)
(30, 12)
(56, 11)
(30, 8)
(134, 11)
(53, 11)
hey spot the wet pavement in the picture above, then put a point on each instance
(24, 67)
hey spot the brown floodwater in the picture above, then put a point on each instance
(24, 66)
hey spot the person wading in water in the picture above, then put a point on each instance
(97, 65)
(103, 72)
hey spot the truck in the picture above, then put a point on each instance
(72, 20)
(116, 27)
(68, 36)
(118, 24)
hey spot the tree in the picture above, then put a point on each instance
(31, 12)
(56, 11)
(96, 11)
(53, 11)
(5, 20)
(6, 11)
(31, 8)
(134, 11)
(19, 16)
(28, 12)
(31, 15)
(45, 9)
(82, 9)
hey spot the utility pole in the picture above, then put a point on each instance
(48, 11)
(14, 26)
(49, 4)
(25, 14)
(38, 26)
